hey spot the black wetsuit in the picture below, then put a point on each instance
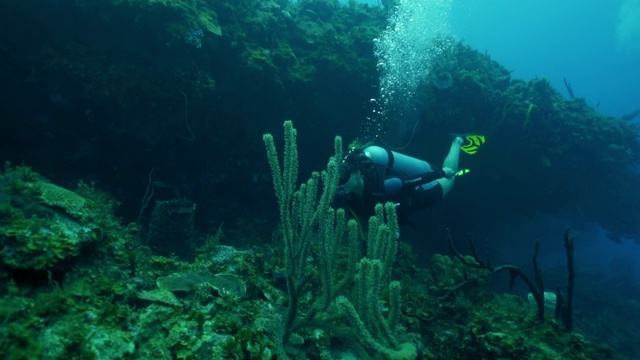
(391, 176)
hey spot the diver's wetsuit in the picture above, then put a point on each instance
(398, 178)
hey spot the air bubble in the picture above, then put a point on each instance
(405, 52)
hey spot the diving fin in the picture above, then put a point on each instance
(473, 142)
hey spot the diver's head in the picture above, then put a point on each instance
(353, 186)
(355, 158)
(351, 179)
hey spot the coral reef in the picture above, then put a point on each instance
(549, 154)
(118, 300)
(44, 224)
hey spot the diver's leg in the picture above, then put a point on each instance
(446, 184)
(451, 161)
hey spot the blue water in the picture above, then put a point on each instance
(596, 47)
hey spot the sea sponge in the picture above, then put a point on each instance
(56, 196)
(189, 281)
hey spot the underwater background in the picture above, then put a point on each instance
(137, 210)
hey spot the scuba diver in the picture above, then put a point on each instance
(374, 175)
